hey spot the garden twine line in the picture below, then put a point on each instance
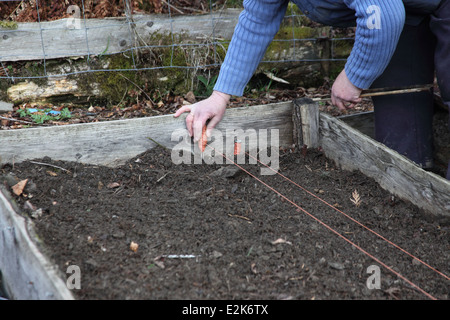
(333, 230)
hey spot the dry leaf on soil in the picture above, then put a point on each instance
(356, 198)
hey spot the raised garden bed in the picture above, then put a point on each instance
(218, 231)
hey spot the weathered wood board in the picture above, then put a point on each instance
(27, 273)
(349, 142)
(305, 118)
(395, 173)
(363, 122)
(112, 143)
(79, 37)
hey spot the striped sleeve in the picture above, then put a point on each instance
(258, 23)
(379, 25)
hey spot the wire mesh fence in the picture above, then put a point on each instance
(109, 48)
(202, 39)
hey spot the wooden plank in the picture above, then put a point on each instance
(353, 150)
(306, 123)
(27, 273)
(114, 142)
(69, 37)
(363, 122)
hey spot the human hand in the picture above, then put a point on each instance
(344, 94)
(212, 109)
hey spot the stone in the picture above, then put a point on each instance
(5, 106)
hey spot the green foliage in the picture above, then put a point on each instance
(297, 32)
(12, 25)
(113, 84)
(207, 86)
(233, 3)
(44, 115)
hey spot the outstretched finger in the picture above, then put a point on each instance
(183, 109)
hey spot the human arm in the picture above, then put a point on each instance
(258, 23)
(379, 25)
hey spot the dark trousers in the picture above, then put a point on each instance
(404, 122)
(440, 26)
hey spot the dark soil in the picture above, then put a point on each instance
(246, 240)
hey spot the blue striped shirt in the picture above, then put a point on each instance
(379, 24)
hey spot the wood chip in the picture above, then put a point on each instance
(280, 241)
(113, 185)
(18, 188)
(134, 246)
(52, 173)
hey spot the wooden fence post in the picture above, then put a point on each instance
(305, 117)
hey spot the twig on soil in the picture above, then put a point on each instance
(123, 97)
(162, 177)
(179, 256)
(159, 144)
(240, 217)
(142, 90)
(50, 165)
(280, 241)
(16, 120)
(173, 7)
